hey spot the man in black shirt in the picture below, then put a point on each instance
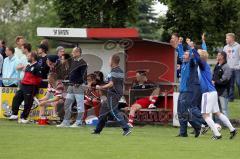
(75, 91)
(114, 94)
(42, 62)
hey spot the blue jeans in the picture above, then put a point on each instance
(235, 78)
(74, 93)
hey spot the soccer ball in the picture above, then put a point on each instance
(219, 127)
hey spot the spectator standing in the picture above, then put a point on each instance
(3, 48)
(233, 59)
(1, 64)
(18, 50)
(77, 74)
(23, 62)
(10, 69)
(221, 80)
(28, 89)
(42, 62)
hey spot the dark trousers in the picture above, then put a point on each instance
(186, 113)
(110, 108)
(235, 78)
(26, 94)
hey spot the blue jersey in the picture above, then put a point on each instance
(185, 71)
(204, 73)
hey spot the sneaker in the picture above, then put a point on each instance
(127, 132)
(204, 130)
(216, 137)
(233, 134)
(95, 133)
(13, 117)
(130, 125)
(76, 125)
(197, 132)
(23, 121)
(151, 106)
(63, 125)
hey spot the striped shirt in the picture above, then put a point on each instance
(57, 91)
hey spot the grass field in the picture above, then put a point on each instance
(48, 142)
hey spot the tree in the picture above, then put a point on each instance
(147, 20)
(95, 13)
(190, 18)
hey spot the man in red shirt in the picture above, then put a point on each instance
(28, 89)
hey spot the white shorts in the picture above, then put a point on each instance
(210, 102)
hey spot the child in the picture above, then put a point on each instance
(92, 96)
(54, 95)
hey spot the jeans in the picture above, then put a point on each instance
(223, 101)
(235, 78)
(74, 93)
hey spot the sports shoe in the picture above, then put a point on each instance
(75, 125)
(151, 106)
(127, 132)
(197, 132)
(130, 125)
(63, 125)
(95, 133)
(204, 130)
(216, 137)
(13, 117)
(233, 134)
(23, 121)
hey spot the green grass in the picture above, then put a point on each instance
(234, 109)
(48, 142)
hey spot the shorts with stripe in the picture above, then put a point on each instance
(210, 102)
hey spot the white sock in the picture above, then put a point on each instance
(212, 125)
(226, 122)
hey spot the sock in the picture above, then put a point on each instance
(211, 124)
(226, 122)
(130, 119)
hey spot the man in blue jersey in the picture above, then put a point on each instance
(188, 100)
(209, 102)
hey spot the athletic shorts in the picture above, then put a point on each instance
(210, 102)
(144, 102)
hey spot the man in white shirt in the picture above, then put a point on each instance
(23, 62)
(18, 50)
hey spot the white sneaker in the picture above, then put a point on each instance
(13, 117)
(23, 121)
(75, 125)
(130, 125)
(63, 125)
(151, 106)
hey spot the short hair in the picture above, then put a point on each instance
(53, 75)
(100, 74)
(18, 38)
(59, 48)
(224, 54)
(3, 42)
(11, 48)
(115, 59)
(203, 53)
(142, 73)
(231, 35)
(66, 56)
(92, 76)
(34, 55)
(27, 46)
(78, 49)
(175, 34)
